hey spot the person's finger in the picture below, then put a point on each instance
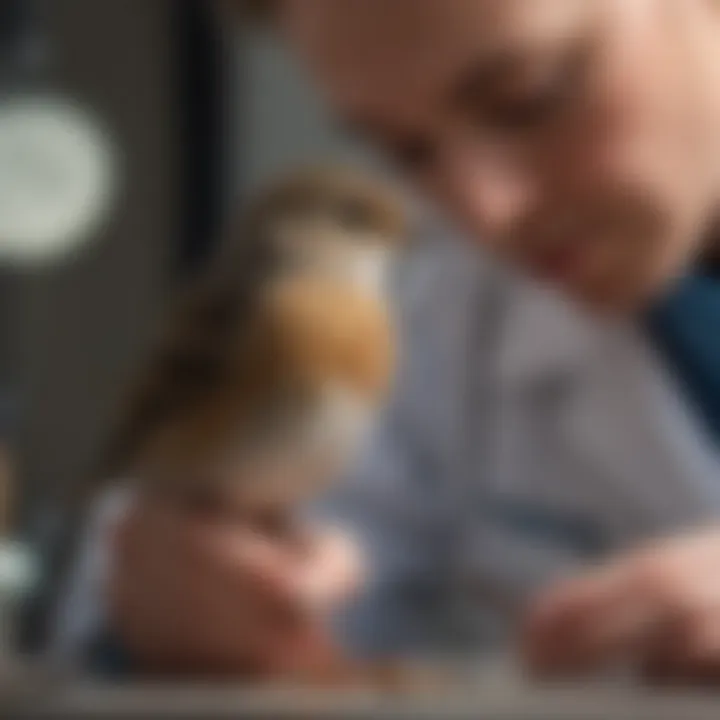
(688, 652)
(226, 588)
(254, 571)
(139, 556)
(588, 624)
(308, 652)
(330, 573)
(148, 535)
(557, 617)
(197, 593)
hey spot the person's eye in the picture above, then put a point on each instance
(354, 213)
(523, 113)
(408, 149)
(414, 156)
(540, 102)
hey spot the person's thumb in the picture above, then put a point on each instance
(332, 573)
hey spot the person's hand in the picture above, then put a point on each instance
(656, 611)
(190, 595)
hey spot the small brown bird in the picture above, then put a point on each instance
(273, 367)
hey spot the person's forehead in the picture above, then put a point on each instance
(361, 50)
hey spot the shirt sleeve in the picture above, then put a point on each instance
(79, 634)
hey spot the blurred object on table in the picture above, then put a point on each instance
(17, 571)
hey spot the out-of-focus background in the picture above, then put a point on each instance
(173, 116)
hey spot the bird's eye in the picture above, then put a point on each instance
(218, 314)
(354, 214)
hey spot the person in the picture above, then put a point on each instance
(549, 463)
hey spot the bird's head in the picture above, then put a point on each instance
(333, 220)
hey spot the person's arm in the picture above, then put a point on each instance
(80, 635)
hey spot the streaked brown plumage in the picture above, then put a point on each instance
(284, 329)
(289, 318)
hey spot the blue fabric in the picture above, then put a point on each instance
(685, 327)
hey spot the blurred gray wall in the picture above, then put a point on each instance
(79, 327)
(283, 121)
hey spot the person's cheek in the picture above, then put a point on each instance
(659, 196)
(628, 217)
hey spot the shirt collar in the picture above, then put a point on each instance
(545, 337)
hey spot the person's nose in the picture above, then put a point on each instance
(490, 187)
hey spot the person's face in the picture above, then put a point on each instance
(578, 139)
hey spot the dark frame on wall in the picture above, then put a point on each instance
(206, 98)
(178, 170)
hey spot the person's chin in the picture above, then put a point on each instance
(608, 297)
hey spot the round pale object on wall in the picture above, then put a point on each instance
(57, 178)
